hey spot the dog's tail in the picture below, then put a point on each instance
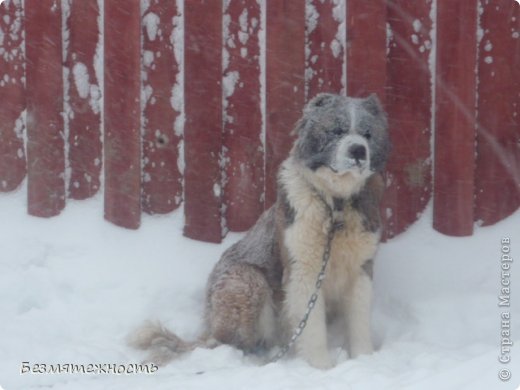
(164, 345)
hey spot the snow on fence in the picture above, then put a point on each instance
(159, 103)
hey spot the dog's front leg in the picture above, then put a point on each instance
(357, 312)
(312, 343)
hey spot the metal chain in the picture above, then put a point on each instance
(333, 226)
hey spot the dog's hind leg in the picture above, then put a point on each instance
(240, 308)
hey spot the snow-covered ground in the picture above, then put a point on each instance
(72, 287)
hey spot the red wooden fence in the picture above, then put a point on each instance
(160, 103)
(83, 97)
(162, 109)
(12, 97)
(497, 168)
(242, 146)
(409, 105)
(44, 93)
(203, 131)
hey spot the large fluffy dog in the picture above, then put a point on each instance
(259, 290)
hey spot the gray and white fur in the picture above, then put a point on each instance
(258, 291)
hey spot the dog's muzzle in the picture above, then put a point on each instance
(358, 153)
(352, 155)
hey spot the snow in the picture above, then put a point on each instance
(243, 36)
(146, 94)
(72, 287)
(151, 22)
(148, 58)
(432, 60)
(10, 52)
(229, 83)
(19, 127)
(217, 190)
(81, 79)
(417, 25)
(311, 16)
(177, 97)
(336, 45)
(97, 99)
(339, 14)
(263, 84)
(68, 113)
(311, 22)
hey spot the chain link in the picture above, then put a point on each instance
(333, 226)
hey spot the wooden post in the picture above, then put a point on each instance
(203, 105)
(285, 88)
(83, 57)
(455, 117)
(44, 73)
(497, 175)
(242, 138)
(163, 107)
(409, 107)
(122, 112)
(366, 47)
(12, 96)
(325, 54)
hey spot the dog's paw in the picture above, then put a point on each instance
(321, 361)
(357, 350)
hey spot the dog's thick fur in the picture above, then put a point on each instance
(259, 290)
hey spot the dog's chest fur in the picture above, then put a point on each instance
(306, 236)
(351, 247)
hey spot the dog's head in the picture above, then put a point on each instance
(342, 138)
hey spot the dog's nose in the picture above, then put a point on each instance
(357, 152)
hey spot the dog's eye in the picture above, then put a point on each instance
(338, 131)
(367, 134)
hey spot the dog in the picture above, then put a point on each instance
(259, 291)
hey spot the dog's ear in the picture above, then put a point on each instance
(298, 127)
(320, 100)
(373, 105)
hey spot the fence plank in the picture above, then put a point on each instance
(122, 112)
(455, 117)
(285, 85)
(84, 104)
(409, 106)
(231, 162)
(325, 55)
(203, 105)
(45, 145)
(366, 47)
(497, 175)
(243, 149)
(12, 96)
(163, 120)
